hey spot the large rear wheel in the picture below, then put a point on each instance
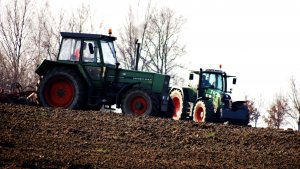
(139, 102)
(203, 111)
(62, 87)
(177, 99)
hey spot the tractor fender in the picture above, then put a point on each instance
(177, 88)
(190, 94)
(48, 65)
(122, 91)
(200, 98)
(240, 102)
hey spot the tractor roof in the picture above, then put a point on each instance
(211, 71)
(208, 71)
(86, 36)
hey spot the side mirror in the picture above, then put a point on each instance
(91, 48)
(234, 81)
(191, 76)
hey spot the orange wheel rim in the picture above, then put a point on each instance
(138, 105)
(59, 92)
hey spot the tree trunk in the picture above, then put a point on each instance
(299, 124)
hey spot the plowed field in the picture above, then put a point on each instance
(37, 137)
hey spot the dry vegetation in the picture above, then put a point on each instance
(36, 137)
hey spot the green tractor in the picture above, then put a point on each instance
(87, 76)
(206, 99)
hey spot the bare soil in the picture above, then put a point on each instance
(37, 137)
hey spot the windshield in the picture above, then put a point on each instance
(109, 53)
(212, 80)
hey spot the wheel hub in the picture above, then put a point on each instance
(199, 114)
(176, 103)
(60, 92)
(138, 105)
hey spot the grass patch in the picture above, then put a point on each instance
(211, 135)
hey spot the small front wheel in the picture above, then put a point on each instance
(137, 102)
(203, 111)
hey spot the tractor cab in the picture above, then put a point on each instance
(87, 49)
(210, 81)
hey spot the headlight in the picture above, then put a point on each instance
(208, 96)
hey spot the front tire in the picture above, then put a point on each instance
(62, 87)
(139, 102)
(203, 111)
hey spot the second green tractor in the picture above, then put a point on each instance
(207, 99)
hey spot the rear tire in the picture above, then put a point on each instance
(62, 87)
(177, 99)
(203, 111)
(139, 102)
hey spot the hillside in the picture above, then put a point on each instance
(36, 137)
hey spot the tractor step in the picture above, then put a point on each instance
(108, 107)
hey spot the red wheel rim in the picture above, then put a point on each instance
(59, 92)
(138, 105)
(176, 103)
(199, 113)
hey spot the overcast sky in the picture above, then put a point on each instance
(256, 40)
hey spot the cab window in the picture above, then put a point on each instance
(219, 81)
(109, 53)
(70, 50)
(212, 80)
(90, 51)
(194, 82)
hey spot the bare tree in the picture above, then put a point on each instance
(277, 112)
(254, 111)
(78, 22)
(127, 43)
(130, 35)
(49, 25)
(295, 98)
(46, 36)
(162, 41)
(3, 69)
(15, 27)
(158, 37)
(41, 38)
(29, 34)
